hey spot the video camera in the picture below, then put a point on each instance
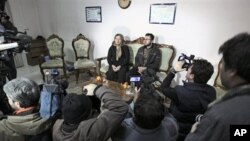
(55, 86)
(11, 38)
(148, 81)
(11, 41)
(188, 60)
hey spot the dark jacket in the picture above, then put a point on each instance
(153, 60)
(231, 109)
(129, 131)
(95, 129)
(187, 101)
(123, 60)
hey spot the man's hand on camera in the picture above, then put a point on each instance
(178, 66)
(141, 69)
(89, 89)
(137, 93)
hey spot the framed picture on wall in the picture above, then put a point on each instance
(93, 14)
(162, 13)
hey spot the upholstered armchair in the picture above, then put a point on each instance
(55, 47)
(81, 46)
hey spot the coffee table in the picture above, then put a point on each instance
(116, 87)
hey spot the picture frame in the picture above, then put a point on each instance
(162, 13)
(93, 14)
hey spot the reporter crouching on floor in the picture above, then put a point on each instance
(77, 123)
(25, 124)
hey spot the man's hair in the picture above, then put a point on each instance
(150, 35)
(149, 111)
(24, 91)
(236, 52)
(202, 70)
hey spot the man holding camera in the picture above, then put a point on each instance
(9, 60)
(7, 64)
(233, 108)
(193, 97)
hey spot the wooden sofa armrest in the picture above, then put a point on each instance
(99, 63)
(101, 58)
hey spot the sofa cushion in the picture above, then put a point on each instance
(53, 63)
(84, 63)
(133, 48)
(166, 57)
(104, 69)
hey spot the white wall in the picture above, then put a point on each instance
(201, 26)
(25, 16)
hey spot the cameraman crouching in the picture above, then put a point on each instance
(25, 123)
(193, 97)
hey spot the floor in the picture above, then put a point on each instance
(31, 72)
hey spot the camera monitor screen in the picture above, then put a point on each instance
(135, 79)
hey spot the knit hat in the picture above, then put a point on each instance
(76, 108)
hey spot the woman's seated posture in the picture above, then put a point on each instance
(118, 59)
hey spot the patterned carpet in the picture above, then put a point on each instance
(77, 88)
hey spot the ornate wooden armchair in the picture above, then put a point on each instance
(55, 47)
(168, 54)
(81, 46)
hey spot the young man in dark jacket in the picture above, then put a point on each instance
(147, 59)
(233, 107)
(151, 121)
(193, 97)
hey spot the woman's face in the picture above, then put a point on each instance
(118, 40)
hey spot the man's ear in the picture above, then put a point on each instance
(232, 72)
(191, 76)
(17, 104)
